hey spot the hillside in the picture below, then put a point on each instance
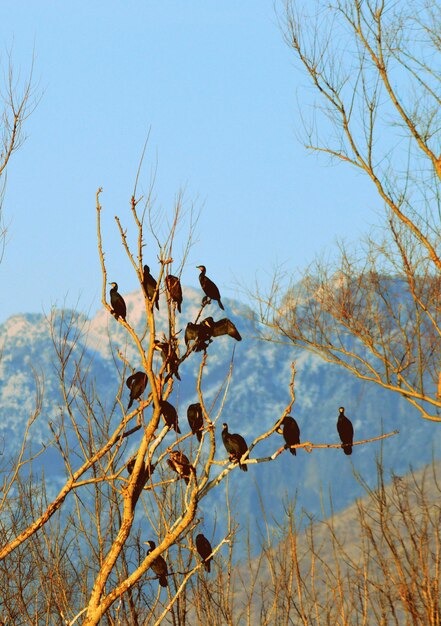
(375, 562)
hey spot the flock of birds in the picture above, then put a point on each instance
(197, 337)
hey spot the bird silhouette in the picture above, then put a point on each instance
(174, 288)
(235, 445)
(180, 464)
(170, 415)
(119, 308)
(221, 327)
(195, 419)
(208, 286)
(345, 430)
(200, 334)
(137, 383)
(291, 432)
(150, 285)
(203, 546)
(169, 355)
(158, 565)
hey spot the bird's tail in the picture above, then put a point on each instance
(347, 449)
(163, 580)
(244, 468)
(221, 305)
(130, 404)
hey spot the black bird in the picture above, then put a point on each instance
(180, 464)
(170, 415)
(131, 465)
(290, 431)
(195, 419)
(345, 430)
(174, 288)
(149, 284)
(208, 286)
(221, 327)
(117, 302)
(235, 445)
(169, 355)
(158, 565)
(146, 471)
(204, 548)
(200, 334)
(137, 383)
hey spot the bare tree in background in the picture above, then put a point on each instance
(18, 102)
(376, 89)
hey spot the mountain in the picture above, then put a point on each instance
(257, 394)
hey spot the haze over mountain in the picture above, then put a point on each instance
(257, 394)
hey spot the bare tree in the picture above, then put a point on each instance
(117, 539)
(376, 92)
(18, 100)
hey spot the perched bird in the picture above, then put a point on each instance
(235, 445)
(170, 415)
(200, 334)
(137, 383)
(174, 288)
(345, 430)
(149, 284)
(221, 327)
(144, 474)
(131, 465)
(169, 355)
(208, 286)
(117, 302)
(195, 419)
(158, 565)
(146, 471)
(290, 431)
(203, 546)
(180, 464)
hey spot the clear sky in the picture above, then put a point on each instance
(218, 89)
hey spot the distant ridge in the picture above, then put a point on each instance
(258, 394)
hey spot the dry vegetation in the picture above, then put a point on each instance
(80, 556)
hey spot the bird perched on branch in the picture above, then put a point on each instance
(345, 430)
(158, 565)
(235, 445)
(146, 472)
(137, 383)
(169, 355)
(180, 464)
(195, 419)
(200, 334)
(174, 288)
(221, 327)
(150, 285)
(208, 286)
(291, 432)
(203, 546)
(119, 308)
(170, 415)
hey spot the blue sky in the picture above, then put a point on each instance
(218, 90)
